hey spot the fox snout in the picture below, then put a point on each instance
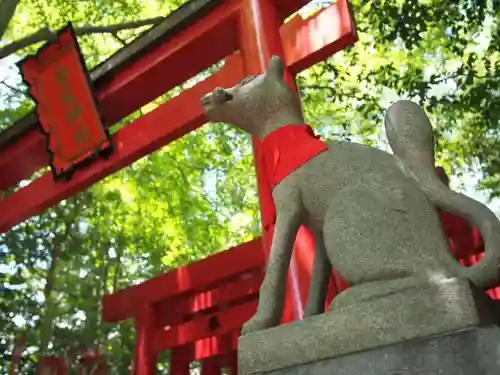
(217, 97)
(220, 96)
(206, 99)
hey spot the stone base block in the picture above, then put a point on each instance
(400, 334)
(474, 351)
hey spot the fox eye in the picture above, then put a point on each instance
(244, 81)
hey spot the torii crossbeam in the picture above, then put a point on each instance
(162, 58)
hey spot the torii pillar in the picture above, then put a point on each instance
(260, 39)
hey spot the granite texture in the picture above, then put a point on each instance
(432, 309)
(474, 351)
(373, 214)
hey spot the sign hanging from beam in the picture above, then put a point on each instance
(322, 35)
(67, 110)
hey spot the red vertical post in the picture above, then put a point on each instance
(180, 359)
(233, 363)
(19, 344)
(50, 364)
(210, 366)
(145, 355)
(259, 40)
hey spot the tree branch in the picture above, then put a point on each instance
(118, 38)
(46, 34)
(14, 88)
(7, 10)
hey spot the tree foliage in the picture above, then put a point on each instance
(197, 195)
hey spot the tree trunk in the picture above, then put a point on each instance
(93, 321)
(120, 248)
(47, 320)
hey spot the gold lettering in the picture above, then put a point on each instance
(82, 136)
(73, 110)
(61, 75)
(75, 113)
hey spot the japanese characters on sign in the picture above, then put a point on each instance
(65, 104)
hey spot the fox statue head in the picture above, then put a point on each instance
(258, 104)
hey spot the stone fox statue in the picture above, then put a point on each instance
(373, 214)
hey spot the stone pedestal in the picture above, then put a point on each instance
(448, 328)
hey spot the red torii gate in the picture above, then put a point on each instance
(243, 32)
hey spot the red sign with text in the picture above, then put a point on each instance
(67, 109)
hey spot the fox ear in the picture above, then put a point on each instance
(276, 68)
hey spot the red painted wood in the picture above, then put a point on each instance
(233, 368)
(145, 356)
(180, 359)
(233, 363)
(287, 7)
(138, 83)
(170, 64)
(155, 129)
(17, 351)
(26, 203)
(229, 361)
(223, 346)
(67, 109)
(210, 366)
(187, 280)
(177, 309)
(53, 365)
(306, 42)
(260, 39)
(91, 362)
(20, 160)
(229, 320)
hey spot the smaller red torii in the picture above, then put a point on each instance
(195, 311)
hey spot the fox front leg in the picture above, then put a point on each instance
(273, 288)
(320, 277)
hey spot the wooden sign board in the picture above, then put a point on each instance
(65, 103)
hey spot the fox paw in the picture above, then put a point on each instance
(258, 323)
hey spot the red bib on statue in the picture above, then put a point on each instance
(283, 151)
